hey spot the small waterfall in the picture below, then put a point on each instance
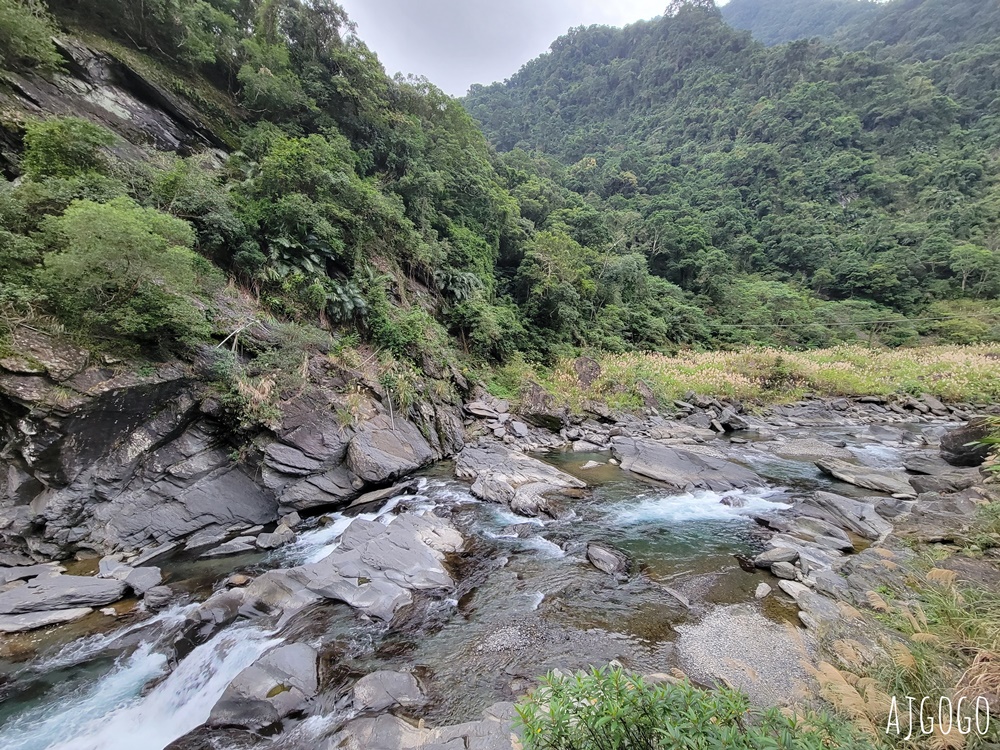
(157, 627)
(113, 715)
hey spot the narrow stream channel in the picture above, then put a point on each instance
(527, 601)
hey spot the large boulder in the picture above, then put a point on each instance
(880, 480)
(960, 447)
(386, 449)
(61, 592)
(681, 469)
(512, 478)
(538, 407)
(382, 690)
(277, 684)
(851, 515)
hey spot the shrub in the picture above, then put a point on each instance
(123, 271)
(613, 710)
(26, 31)
(64, 147)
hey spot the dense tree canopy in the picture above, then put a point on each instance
(673, 183)
(843, 184)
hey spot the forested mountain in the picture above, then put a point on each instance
(912, 29)
(673, 183)
(778, 185)
(779, 21)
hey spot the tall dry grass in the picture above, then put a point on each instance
(951, 373)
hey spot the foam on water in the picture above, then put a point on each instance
(507, 517)
(701, 505)
(57, 722)
(544, 547)
(112, 715)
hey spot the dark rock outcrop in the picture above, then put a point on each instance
(880, 480)
(959, 447)
(103, 461)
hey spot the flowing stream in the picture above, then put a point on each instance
(527, 601)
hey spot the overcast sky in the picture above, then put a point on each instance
(456, 43)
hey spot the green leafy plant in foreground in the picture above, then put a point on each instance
(609, 709)
(993, 440)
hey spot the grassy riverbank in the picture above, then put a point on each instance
(766, 376)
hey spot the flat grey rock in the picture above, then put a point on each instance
(379, 691)
(880, 480)
(23, 573)
(279, 537)
(809, 449)
(34, 620)
(523, 483)
(776, 555)
(236, 546)
(61, 592)
(682, 469)
(375, 568)
(784, 570)
(855, 516)
(387, 732)
(141, 580)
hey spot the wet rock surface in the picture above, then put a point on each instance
(413, 577)
(493, 732)
(382, 690)
(277, 684)
(611, 561)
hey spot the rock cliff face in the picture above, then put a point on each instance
(101, 87)
(102, 461)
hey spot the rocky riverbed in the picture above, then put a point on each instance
(710, 541)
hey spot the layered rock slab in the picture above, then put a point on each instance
(376, 568)
(681, 469)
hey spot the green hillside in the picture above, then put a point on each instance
(795, 186)
(671, 184)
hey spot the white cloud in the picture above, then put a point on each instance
(456, 43)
